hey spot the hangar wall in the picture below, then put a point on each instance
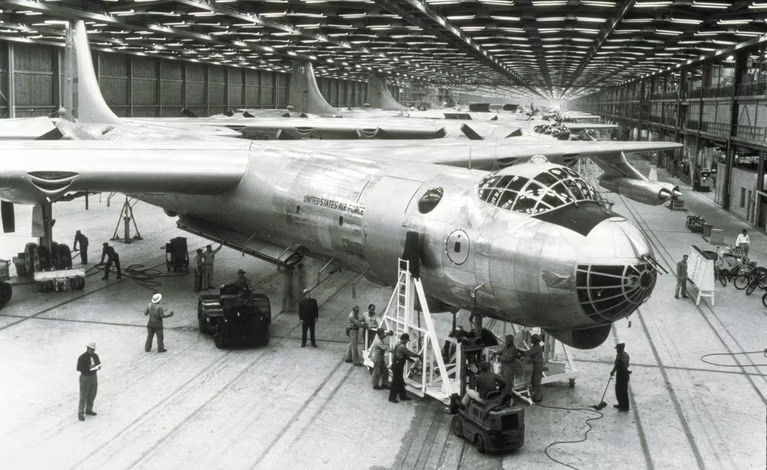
(140, 86)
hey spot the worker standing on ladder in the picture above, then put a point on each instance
(401, 355)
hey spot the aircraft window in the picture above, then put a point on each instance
(551, 199)
(524, 204)
(546, 179)
(563, 193)
(507, 199)
(517, 183)
(534, 190)
(586, 190)
(558, 173)
(576, 190)
(547, 191)
(429, 200)
(541, 207)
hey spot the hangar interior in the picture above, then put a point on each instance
(543, 222)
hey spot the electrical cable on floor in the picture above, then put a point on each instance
(142, 276)
(763, 353)
(585, 434)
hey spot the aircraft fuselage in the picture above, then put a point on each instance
(532, 271)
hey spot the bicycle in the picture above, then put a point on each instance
(747, 273)
(757, 278)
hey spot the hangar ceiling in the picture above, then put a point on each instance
(554, 49)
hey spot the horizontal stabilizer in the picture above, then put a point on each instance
(470, 133)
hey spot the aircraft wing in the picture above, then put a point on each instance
(41, 128)
(32, 172)
(577, 126)
(561, 152)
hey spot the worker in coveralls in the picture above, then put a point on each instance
(622, 380)
(509, 366)
(199, 267)
(378, 354)
(207, 274)
(308, 313)
(82, 240)
(535, 353)
(401, 355)
(88, 365)
(112, 258)
(154, 325)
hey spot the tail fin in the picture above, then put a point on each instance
(379, 95)
(305, 95)
(87, 104)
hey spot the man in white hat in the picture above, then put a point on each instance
(88, 364)
(154, 325)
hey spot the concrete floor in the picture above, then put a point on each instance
(286, 407)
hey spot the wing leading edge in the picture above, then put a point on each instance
(32, 172)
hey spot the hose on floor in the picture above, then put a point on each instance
(599, 415)
(732, 355)
(142, 276)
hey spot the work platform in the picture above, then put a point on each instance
(284, 406)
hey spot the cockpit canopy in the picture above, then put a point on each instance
(553, 186)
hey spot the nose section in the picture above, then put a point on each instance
(614, 275)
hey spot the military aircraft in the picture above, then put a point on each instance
(524, 240)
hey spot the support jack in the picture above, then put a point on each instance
(126, 217)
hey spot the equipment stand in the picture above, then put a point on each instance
(126, 216)
(434, 376)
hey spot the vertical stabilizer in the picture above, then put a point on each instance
(88, 105)
(379, 95)
(305, 96)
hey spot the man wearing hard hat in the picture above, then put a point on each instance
(154, 325)
(88, 364)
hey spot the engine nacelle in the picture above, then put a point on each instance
(646, 192)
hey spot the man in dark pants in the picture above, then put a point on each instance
(88, 364)
(308, 312)
(681, 278)
(535, 353)
(82, 240)
(154, 325)
(622, 380)
(112, 257)
(401, 355)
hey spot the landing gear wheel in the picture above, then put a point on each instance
(479, 443)
(29, 254)
(62, 258)
(571, 383)
(457, 426)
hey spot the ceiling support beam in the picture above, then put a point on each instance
(606, 31)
